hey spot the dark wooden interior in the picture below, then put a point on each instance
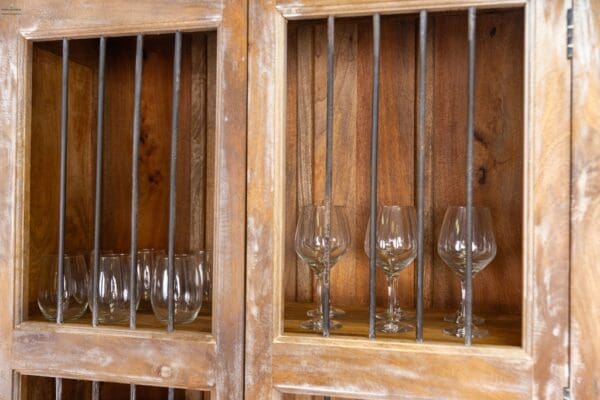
(195, 161)
(42, 388)
(498, 148)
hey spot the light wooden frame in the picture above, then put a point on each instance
(198, 361)
(277, 363)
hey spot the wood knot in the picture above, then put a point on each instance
(482, 175)
(166, 372)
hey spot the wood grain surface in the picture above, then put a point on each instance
(498, 152)
(154, 150)
(585, 207)
(222, 76)
(547, 195)
(517, 152)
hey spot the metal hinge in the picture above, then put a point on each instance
(566, 393)
(570, 33)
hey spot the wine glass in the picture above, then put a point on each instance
(188, 287)
(75, 284)
(114, 295)
(146, 259)
(205, 257)
(452, 249)
(310, 242)
(395, 249)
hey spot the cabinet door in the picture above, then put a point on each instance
(585, 302)
(209, 176)
(522, 162)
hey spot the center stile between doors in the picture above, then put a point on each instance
(134, 190)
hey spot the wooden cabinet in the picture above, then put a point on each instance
(251, 151)
(523, 158)
(208, 355)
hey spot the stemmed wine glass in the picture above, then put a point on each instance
(452, 249)
(395, 249)
(310, 242)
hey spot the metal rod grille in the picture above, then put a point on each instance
(328, 170)
(139, 52)
(469, 238)
(173, 179)
(421, 169)
(58, 388)
(171, 394)
(64, 114)
(95, 390)
(132, 392)
(373, 183)
(98, 199)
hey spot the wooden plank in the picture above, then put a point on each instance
(13, 98)
(585, 207)
(396, 172)
(504, 329)
(294, 164)
(198, 142)
(229, 212)
(87, 18)
(344, 153)
(498, 151)
(429, 242)
(363, 159)
(44, 165)
(305, 138)
(211, 127)
(394, 371)
(547, 195)
(98, 354)
(293, 9)
(265, 249)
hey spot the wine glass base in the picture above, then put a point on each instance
(333, 313)
(393, 326)
(316, 325)
(459, 331)
(399, 314)
(455, 318)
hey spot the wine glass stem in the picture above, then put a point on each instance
(463, 296)
(319, 282)
(391, 280)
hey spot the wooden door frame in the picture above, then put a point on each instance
(585, 212)
(277, 363)
(211, 361)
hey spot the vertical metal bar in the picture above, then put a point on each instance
(139, 51)
(470, 118)
(98, 199)
(172, 178)
(328, 170)
(373, 187)
(132, 392)
(64, 114)
(171, 395)
(421, 169)
(57, 388)
(95, 390)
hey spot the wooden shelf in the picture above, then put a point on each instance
(145, 320)
(504, 330)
